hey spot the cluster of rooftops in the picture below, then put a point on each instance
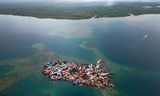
(93, 75)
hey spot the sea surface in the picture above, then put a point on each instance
(129, 44)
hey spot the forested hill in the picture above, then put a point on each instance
(79, 10)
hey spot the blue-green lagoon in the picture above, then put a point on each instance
(129, 47)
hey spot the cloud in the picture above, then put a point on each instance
(110, 1)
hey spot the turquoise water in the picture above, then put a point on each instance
(68, 47)
(124, 44)
(31, 86)
(128, 41)
(5, 69)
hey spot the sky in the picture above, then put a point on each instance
(75, 0)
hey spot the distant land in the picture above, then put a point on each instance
(79, 10)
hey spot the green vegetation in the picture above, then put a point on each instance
(78, 10)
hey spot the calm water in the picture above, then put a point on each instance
(134, 43)
(129, 41)
(5, 69)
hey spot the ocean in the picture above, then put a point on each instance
(129, 46)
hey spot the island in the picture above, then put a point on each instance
(59, 10)
(89, 75)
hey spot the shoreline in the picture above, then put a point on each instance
(81, 19)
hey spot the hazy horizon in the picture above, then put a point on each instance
(79, 0)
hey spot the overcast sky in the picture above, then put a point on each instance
(75, 0)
